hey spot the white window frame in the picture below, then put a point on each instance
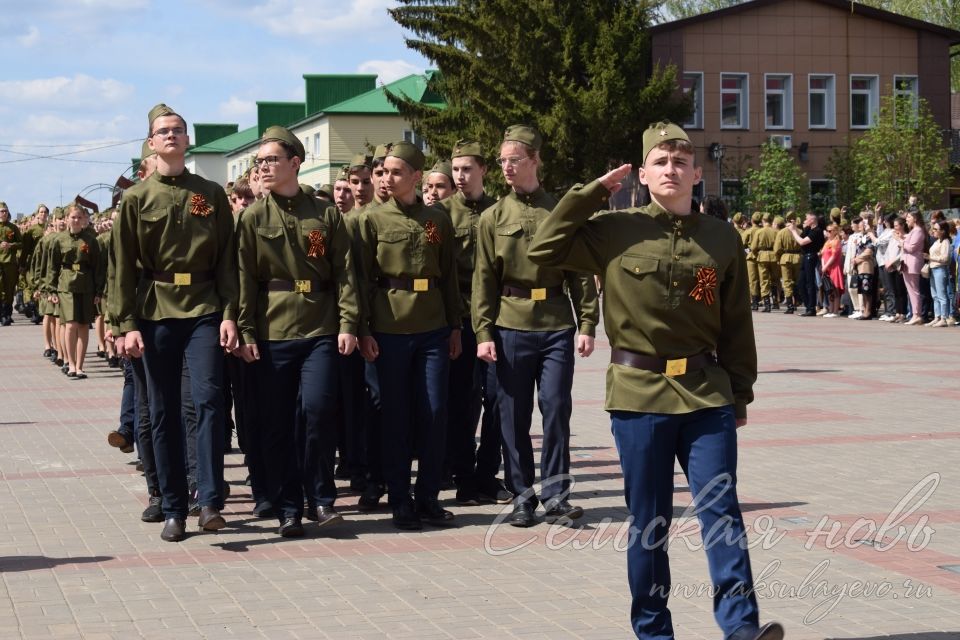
(696, 121)
(316, 145)
(830, 100)
(409, 135)
(787, 103)
(831, 182)
(874, 99)
(744, 94)
(915, 94)
(306, 145)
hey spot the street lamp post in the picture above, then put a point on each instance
(716, 152)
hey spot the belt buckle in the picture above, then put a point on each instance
(302, 286)
(182, 279)
(538, 294)
(75, 266)
(676, 367)
(421, 284)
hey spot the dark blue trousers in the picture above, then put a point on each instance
(143, 429)
(413, 371)
(242, 378)
(473, 385)
(541, 359)
(307, 368)
(351, 413)
(169, 344)
(808, 281)
(128, 405)
(371, 420)
(705, 443)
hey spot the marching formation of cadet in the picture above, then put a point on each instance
(377, 318)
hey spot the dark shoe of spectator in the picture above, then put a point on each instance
(264, 509)
(328, 517)
(467, 497)
(523, 515)
(291, 528)
(769, 631)
(154, 510)
(174, 530)
(405, 517)
(432, 513)
(562, 510)
(493, 491)
(120, 441)
(370, 499)
(210, 519)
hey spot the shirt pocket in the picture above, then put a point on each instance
(153, 223)
(320, 242)
(396, 252)
(639, 267)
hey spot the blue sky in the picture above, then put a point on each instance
(80, 74)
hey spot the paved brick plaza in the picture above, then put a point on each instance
(849, 418)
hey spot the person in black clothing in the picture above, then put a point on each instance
(811, 242)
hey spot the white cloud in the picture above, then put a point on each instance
(172, 91)
(305, 18)
(48, 126)
(79, 91)
(389, 70)
(237, 107)
(30, 38)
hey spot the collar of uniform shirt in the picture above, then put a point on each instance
(528, 198)
(681, 223)
(170, 179)
(288, 204)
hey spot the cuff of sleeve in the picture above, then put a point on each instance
(364, 330)
(348, 327)
(740, 410)
(230, 313)
(587, 329)
(484, 335)
(248, 337)
(126, 326)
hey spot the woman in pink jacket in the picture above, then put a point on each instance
(914, 245)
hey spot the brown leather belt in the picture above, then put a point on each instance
(670, 368)
(297, 286)
(792, 252)
(408, 284)
(532, 294)
(182, 279)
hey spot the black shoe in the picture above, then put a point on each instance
(755, 303)
(291, 528)
(113, 362)
(264, 510)
(328, 517)
(790, 309)
(493, 491)
(358, 482)
(70, 374)
(139, 465)
(808, 314)
(432, 513)
(154, 510)
(101, 354)
(562, 510)
(467, 497)
(58, 361)
(194, 507)
(769, 631)
(47, 353)
(405, 517)
(53, 356)
(174, 530)
(523, 515)
(370, 499)
(341, 473)
(210, 519)
(447, 484)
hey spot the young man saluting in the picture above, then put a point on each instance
(683, 363)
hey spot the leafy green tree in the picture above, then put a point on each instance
(841, 169)
(904, 153)
(679, 9)
(578, 71)
(779, 184)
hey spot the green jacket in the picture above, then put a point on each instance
(503, 246)
(38, 263)
(73, 263)
(295, 239)
(465, 216)
(786, 247)
(761, 245)
(9, 233)
(415, 242)
(653, 264)
(30, 240)
(174, 224)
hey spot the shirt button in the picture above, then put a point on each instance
(676, 284)
(676, 257)
(636, 269)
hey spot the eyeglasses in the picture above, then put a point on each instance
(269, 161)
(177, 131)
(512, 161)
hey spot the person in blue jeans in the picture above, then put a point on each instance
(683, 365)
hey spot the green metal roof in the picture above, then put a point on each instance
(205, 133)
(323, 90)
(228, 143)
(375, 101)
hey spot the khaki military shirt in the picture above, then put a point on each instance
(295, 239)
(786, 247)
(465, 216)
(503, 245)
(39, 262)
(675, 286)
(73, 263)
(30, 240)
(761, 244)
(415, 242)
(9, 233)
(176, 224)
(746, 237)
